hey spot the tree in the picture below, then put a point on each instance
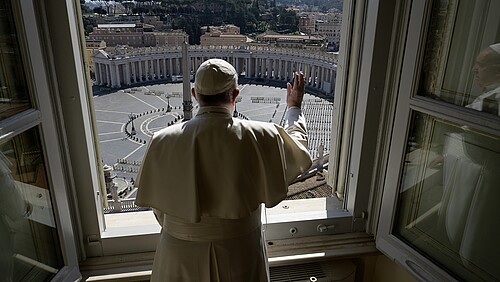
(100, 11)
(84, 8)
(87, 25)
(139, 10)
(129, 6)
(191, 26)
(287, 21)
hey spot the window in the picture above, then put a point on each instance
(342, 215)
(148, 104)
(36, 235)
(414, 143)
(362, 68)
(442, 179)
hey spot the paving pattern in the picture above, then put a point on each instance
(126, 119)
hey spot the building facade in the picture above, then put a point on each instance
(170, 38)
(136, 35)
(218, 39)
(327, 25)
(309, 42)
(330, 30)
(91, 46)
(227, 35)
(133, 34)
(122, 67)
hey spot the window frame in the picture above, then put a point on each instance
(416, 20)
(41, 116)
(363, 73)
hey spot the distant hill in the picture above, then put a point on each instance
(323, 5)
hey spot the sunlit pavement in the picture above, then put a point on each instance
(148, 105)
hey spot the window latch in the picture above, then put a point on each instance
(323, 228)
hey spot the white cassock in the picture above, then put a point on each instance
(206, 179)
(488, 101)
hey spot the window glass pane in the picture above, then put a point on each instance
(448, 201)
(13, 93)
(462, 54)
(29, 242)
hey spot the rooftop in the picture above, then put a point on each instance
(116, 25)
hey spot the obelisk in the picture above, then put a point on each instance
(187, 104)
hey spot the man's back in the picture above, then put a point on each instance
(207, 178)
(216, 165)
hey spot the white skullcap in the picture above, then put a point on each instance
(495, 47)
(214, 76)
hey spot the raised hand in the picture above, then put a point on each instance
(295, 94)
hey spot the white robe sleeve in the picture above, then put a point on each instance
(295, 125)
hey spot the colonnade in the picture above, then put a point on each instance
(123, 67)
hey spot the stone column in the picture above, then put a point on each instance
(320, 78)
(325, 74)
(111, 76)
(307, 73)
(139, 63)
(265, 67)
(170, 64)
(284, 69)
(276, 70)
(313, 75)
(102, 70)
(114, 75)
(309, 67)
(287, 70)
(319, 74)
(108, 74)
(164, 72)
(269, 66)
(127, 73)
(259, 67)
(118, 76)
(178, 66)
(273, 71)
(262, 63)
(157, 68)
(104, 76)
(237, 65)
(256, 67)
(146, 69)
(244, 63)
(134, 73)
(151, 69)
(97, 73)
